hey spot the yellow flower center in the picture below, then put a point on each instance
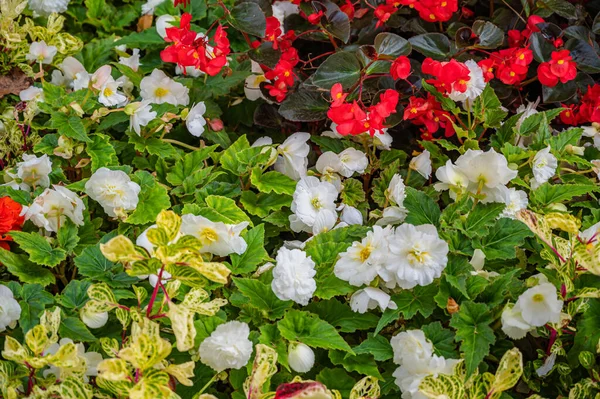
(316, 203)
(560, 62)
(522, 57)
(444, 4)
(208, 235)
(417, 256)
(431, 16)
(365, 253)
(538, 298)
(512, 73)
(108, 92)
(161, 92)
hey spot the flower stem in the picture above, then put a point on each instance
(209, 383)
(179, 143)
(154, 292)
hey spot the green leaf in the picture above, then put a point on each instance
(422, 209)
(481, 218)
(222, 209)
(69, 126)
(489, 35)
(565, 138)
(307, 328)
(261, 297)
(101, 152)
(26, 271)
(342, 67)
(340, 315)
(472, 324)
(337, 379)
(353, 194)
(272, 182)
(95, 8)
(153, 198)
(336, 21)
(588, 331)
(190, 164)
(410, 302)
(73, 327)
(74, 296)
(38, 248)
(68, 236)
(363, 364)
(34, 300)
(91, 263)
(378, 346)
(248, 17)
(560, 7)
(391, 45)
(304, 106)
(255, 253)
(229, 160)
(434, 45)
(442, 339)
(504, 237)
(144, 39)
(547, 193)
(270, 335)
(532, 122)
(262, 204)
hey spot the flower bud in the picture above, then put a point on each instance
(94, 320)
(300, 357)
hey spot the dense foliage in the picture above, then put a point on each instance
(299, 199)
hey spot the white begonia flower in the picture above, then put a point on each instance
(163, 22)
(133, 61)
(164, 278)
(395, 194)
(451, 178)
(513, 324)
(195, 121)
(591, 234)
(487, 172)
(540, 305)
(478, 261)
(149, 7)
(410, 374)
(370, 298)
(92, 359)
(217, 238)
(93, 320)
(352, 160)
(283, 9)
(140, 114)
(293, 276)
(544, 167)
(475, 85)
(113, 190)
(301, 357)
(548, 365)
(70, 70)
(40, 52)
(33, 172)
(51, 208)
(10, 310)
(311, 198)
(228, 347)
(328, 165)
(44, 8)
(350, 215)
(102, 76)
(361, 262)
(158, 88)
(32, 93)
(324, 222)
(252, 86)
(411, 346)
(422, 164)
(417, 256)
(110, 95)
(593, 131)
(515, 200)
(262, 141)
(293, 152)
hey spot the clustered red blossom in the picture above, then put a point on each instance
(352, 118)
(400, 68)
(587, 111)
(429, 114)
(192, 50)
(560, 68)
(429, 10)
(509, 65)
(10, 219)
(448, 76)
